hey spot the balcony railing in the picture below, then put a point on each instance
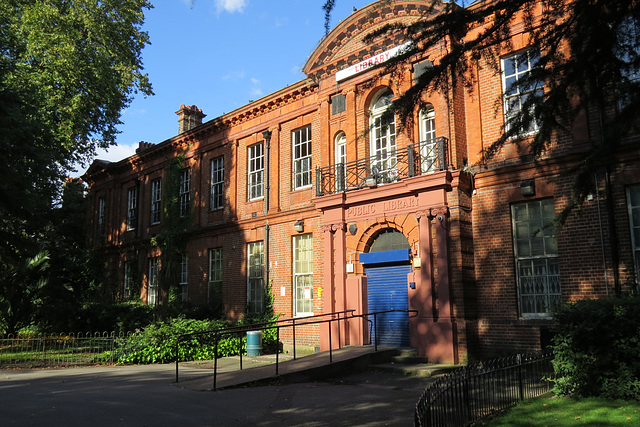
(416, 159)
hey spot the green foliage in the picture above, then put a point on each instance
(67, 69)
(20, 290)
(157, 343)
(596, 348)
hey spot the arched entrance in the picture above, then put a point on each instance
(387, 265)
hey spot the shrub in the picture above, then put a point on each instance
(596, 348)
(156, 343)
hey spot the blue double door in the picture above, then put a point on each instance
(387, 290)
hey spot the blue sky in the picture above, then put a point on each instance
(219, 55)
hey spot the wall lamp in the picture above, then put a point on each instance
(299, 226)
(528, 187)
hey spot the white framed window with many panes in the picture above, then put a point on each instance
(633, 205)
(217, 183)
(341, 160)
(128, 286)
(153, 280)
(255, 181)
(185, 191)
(215, 275)
(383, 139)
(536, 257)
(303, 274)
(101, 206)
(301, 157)
(184, 276)
(518, 87)
(428, 147)
(156, 201)
(255, 277)
(132, 208)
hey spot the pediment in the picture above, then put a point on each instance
(345, 45)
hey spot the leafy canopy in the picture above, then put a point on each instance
(67, 69)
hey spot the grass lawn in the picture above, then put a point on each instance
(552, 411)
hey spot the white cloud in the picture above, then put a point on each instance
(230, 6)
(234, 75)
(117, 152)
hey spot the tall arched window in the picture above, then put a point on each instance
(341, 160)
(383, 138)
(428, 147)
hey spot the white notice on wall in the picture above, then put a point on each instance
(283, 291)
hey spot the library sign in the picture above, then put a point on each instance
(374, 61)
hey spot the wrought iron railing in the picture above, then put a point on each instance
(474, 392)
(57, 350)
(415, 159)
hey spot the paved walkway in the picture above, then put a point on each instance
(148, 395)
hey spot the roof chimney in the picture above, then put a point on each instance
(189, 117)
(143, 145)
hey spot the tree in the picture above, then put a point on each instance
(67, 69)
(589, 61)
(21, 291)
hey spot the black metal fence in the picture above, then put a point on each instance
(212, 338)
(474, 392)
(57, 350)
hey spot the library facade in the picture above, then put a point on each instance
(315, 198)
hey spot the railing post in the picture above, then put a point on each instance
(293, 322)
(177, 352)
(375, 333)
(519, 362)
(277, 346)
(318, 183)
(215, 360)
(330, 344)
(411, 160)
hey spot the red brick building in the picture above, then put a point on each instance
(314, 192)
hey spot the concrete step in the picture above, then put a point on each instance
(414, 369)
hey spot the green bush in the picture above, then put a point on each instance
(597, 348)
(157, 343)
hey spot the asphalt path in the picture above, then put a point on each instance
(149, 396)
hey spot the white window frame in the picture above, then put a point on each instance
(217, 183)
(132, 208)
(255, 169)
(633, 206)
(156, 201)
(383, 139)
(514, 68)
(127, 287)
(101, 208)
(341, 160)
(536, 257)
(184, 276)
(185, 191)
(301, 139)
(303, 275)
(428, 145)
(255, 277)
(153, 280)
(215, 271)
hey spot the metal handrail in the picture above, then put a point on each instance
(415, 159)
(278, 324)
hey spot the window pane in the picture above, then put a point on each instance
(536, 253)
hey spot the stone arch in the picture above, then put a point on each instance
(370, 235)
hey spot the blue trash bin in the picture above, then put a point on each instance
(254, 343)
